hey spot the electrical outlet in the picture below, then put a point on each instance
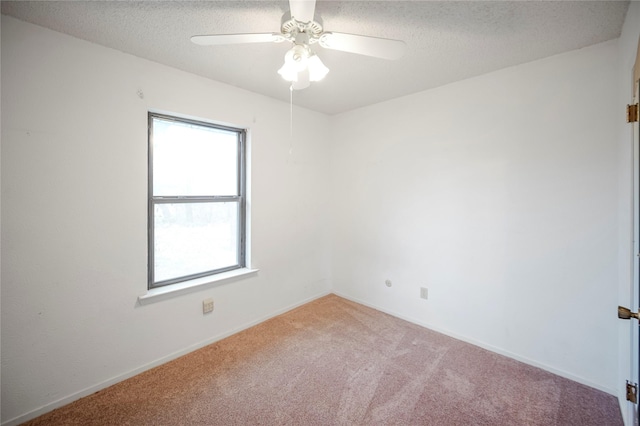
(207, 306)
(424, 293)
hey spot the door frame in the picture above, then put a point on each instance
(635, 284)
(632, 413)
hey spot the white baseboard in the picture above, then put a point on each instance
(105, 384)
(483, 345)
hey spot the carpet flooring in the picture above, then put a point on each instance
(335, 362)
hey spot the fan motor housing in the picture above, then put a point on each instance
(291, 27)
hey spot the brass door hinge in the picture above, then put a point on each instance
(625, 313)
(632, 113)
(632, 392)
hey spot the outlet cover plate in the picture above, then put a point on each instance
(424, 293)
(207, 306)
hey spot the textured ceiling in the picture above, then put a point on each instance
(447, 41)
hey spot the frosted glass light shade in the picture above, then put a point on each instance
(288, 73)
(317, 70)
(301, 66)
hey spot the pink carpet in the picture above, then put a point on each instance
(334, 362)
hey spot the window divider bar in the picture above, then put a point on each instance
(196, 199)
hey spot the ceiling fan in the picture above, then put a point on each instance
(301, 64)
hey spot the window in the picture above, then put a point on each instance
(196, 199)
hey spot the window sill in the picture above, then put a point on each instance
(174, 290)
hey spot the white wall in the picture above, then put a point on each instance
(628, 44)
(499, 194)
(74, 176)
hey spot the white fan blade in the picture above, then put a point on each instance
(302, 10)
(220, 39)
(364, 45)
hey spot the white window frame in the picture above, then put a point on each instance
(177, 198)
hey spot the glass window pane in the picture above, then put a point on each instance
(191, 238)
(190, 159)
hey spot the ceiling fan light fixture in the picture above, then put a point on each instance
(298, 60)
(301, 27)
(317, 70)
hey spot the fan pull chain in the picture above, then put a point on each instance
(291, 120)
